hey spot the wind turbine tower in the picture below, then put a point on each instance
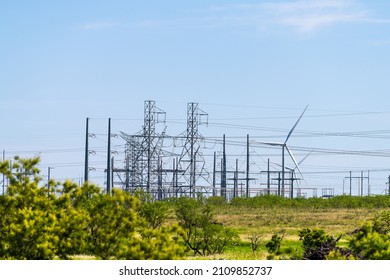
(284, 146)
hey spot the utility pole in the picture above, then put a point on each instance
(108, 190)
(86, 151)
(268, 178)
(235, 180)
(361, 182)
(247, 165)
(214, 173)
(3, 173)
(283, 171)
(174, 178)
(350, 182)
(159, 180)
(292, 184)
(223, 177)
(388, 191)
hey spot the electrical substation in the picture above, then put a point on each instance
(173, 166)
(189, 164)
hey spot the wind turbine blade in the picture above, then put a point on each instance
(288, 168)
(292, 129)
(269, 143)
(293, 159)
(302, 160)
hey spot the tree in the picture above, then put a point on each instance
(381, 222)
(255, 240)
(369, 244)
(155, 213)
(38, 222)
(273, 246)
(202, 233)
(28, 223)
(316, 244)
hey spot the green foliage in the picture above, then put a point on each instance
(112, 218)
(72, 211)
(27, 225)
(371, 241)
(117, 231)
(273, 246)
(316, 244)
(255, 240)
(342, 201)
(202, 234)
(381, 222)
(38, 222)
(155, 213)
(216, 200)
(341, 254)
(369, 244)
(62, 220)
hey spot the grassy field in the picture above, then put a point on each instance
(252, 222)
(263, 223)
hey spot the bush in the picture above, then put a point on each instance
(273, 245)
(341, 201)
(36, 224)
(381, 222)
(202, 234)
(316, 244)
(155, 213)
(372, 240)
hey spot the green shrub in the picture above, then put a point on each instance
(273, 246)
(369, 244)
(36, 224)
(202, 233)
(316, 244)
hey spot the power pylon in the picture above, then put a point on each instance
(143, 152)
(191, 161)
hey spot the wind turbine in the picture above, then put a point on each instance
(293, 178)
(284, 147)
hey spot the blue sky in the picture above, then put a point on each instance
(253, 66)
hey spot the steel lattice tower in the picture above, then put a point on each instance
(133, 166)
(143, 152)
(191, 161)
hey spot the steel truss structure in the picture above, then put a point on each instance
(183, 171)
(150, 168)
(143, 153)
(193, 176)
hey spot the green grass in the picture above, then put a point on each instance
(268, 215)
(265, 222)
(265, 216)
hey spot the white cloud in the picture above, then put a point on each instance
(303, 16)
(308, 16)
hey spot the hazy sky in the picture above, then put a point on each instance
(253, 66)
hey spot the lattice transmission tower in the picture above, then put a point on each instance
(143, 152)
(191, 162)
